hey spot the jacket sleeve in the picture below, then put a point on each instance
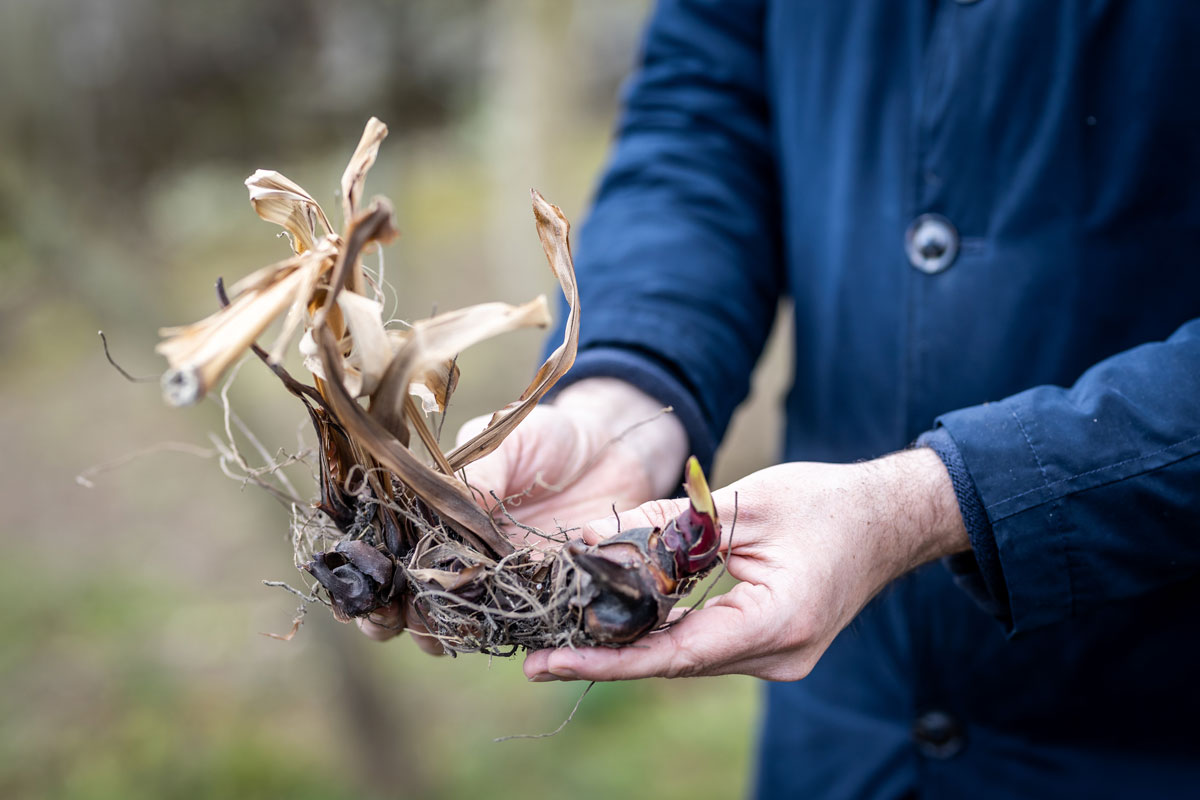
(1091, 493)
(678, 262)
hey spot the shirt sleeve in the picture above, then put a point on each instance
(1092, 493)
(678, 262)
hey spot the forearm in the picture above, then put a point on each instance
(622, 410)
(911, 513)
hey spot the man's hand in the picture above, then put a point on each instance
(568, 462)
(601, 443)
(812, 545)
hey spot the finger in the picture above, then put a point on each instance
(426, 642)
(390, 621)
(373, 630)
(383, 623)
(736, 523)
(488, 475)
(655, 514)
(471, 428)
(677, 613)
(703, 643)
(487, 479)
(420, 632)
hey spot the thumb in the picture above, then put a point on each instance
(486, 475)
(655, 514)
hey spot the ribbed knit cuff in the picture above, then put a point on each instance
(978, 573)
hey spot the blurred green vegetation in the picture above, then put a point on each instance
(131, 662)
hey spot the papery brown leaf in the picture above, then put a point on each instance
(268, 275)
(554, 230)
(281, 200)
(199, 353)
(355, 175)
(435, 386)
(432, 342)
(449, 580)
(375, 224)
(444, 494)
(286, 637)
(320, 264)
(353, 180)
(372, 349)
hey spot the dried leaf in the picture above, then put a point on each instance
(199, 353)
(353, 180)
(448, 580)
(554, 230)
(375, 224)
(356, 171)
(372, 351)
(286, 637)
(434, 388)
(268, 275)
(434, 341)
(281, 200)
(444, 494)
(300, 302)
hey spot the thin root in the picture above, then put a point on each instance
(557, 730)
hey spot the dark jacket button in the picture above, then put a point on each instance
(938, 735)
(931, 243)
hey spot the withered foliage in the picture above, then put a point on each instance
(397, 534)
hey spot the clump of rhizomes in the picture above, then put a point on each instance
(402, 539)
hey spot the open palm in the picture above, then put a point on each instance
(557, 471)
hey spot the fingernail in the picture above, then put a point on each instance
(604, 528)
(564, 674)
(543, 677)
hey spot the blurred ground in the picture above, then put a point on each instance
(131, 662)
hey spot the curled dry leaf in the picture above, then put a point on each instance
(553, 229)
(355, 176)
(278, 199)
(430, 343)
(201, 352)
(445, 495)
(371, 350)
(434, 387)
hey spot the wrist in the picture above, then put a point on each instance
(638, 421)
(912, 499)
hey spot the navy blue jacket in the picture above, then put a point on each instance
(1040, 323)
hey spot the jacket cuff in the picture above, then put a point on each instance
(655, 379)
(978, 572)
(994, 443)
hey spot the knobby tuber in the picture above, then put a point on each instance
(395, 536)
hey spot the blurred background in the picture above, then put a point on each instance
(132, 663)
